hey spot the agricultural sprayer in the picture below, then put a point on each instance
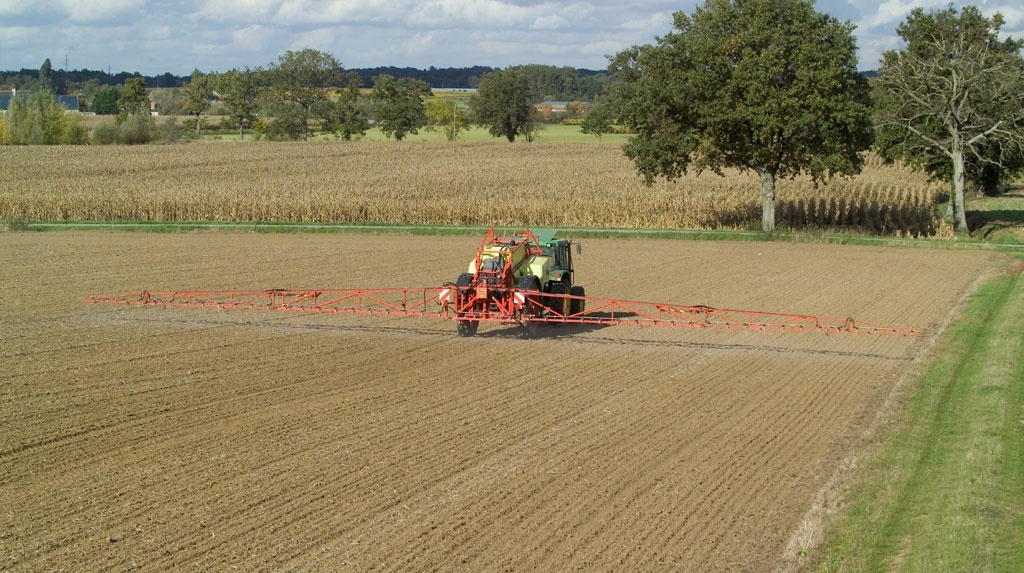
(524, 279)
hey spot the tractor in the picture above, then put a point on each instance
(528, 275)
(526, 279)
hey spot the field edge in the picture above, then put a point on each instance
(457, 230)
(943, 492)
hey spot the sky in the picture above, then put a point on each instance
(177, 36)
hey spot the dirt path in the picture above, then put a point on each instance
(163, 439)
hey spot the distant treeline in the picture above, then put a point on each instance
(548, 82)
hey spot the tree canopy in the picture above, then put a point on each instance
(46, 76)
(345, 117)
(104, 102)
(134, 98)
(504, 104)
(239, 92)
(598, 120)
(952, 99)
(444, 114)
(299, 81)
(40, 120)
(765, 85)
(197, 94)
(400, 109)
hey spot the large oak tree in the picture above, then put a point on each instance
(300, 81)
(503, 103)
(400, 108)
(769, 86)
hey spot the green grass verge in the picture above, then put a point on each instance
(998, 219)
(840, 238)
(946, 492)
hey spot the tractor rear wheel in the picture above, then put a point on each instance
(577, 306)
(561, 306)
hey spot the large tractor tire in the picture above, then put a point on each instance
(464, 280)
(559, 305)
(577, 306)
(531, 286)
(468, 327)
(529, 282)
(463, 286)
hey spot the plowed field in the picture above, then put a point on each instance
(174, 439)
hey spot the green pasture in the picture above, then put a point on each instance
(553, 133)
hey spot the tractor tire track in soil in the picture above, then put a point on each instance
(160, 439)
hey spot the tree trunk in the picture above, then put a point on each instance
(305, 122)
(767, 201)
(956, 200)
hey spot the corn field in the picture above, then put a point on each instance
(540, 184)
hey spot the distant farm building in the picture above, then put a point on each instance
(70, 102)
(550, 108)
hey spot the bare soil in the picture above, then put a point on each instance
(166, 439)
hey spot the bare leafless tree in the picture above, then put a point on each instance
(956, 90)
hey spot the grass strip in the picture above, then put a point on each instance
(946, 492)
(850, 238)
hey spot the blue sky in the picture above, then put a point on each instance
(177, 36)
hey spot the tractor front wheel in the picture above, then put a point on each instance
(468, 327)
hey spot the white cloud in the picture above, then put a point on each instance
(12, 8)
(249, 39)
(603, 48)
(319, 39)
(75, 11)
(890, 13)
(660, 22)
(96, 11)
(16, 36)
(236, 12)
(420, 44)
(468, 14)
(550, 22)
(156, 36)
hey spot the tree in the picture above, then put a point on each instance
(345, 116)
(134, 98)
(46, 76)
(769, 86)
(598, 120)
(40, 120)
(444, 114)
(105, 101)
(197, 93)
(952, 99)
(239, 92)
(301, 80)
(504, 105)
(400, 105)
(134, 124)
